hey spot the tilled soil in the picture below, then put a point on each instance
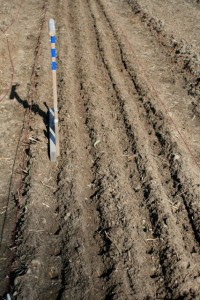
(117, 217)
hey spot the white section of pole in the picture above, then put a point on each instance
(52, 29)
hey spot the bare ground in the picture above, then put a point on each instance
(117, 217)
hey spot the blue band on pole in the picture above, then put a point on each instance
(53, 39)
(53, 52)
(53, 65)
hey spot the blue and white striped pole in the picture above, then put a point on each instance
(53, 124)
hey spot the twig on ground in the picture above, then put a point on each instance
(48, 186)
(45, 204)
(181, 193)
(173, 206)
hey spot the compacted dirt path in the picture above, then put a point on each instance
(117, 217)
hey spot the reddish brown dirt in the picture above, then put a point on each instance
(117, 217)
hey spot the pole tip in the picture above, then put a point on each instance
(52, 30)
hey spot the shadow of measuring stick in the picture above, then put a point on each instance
(34, 108)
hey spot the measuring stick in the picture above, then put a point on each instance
(52, 33)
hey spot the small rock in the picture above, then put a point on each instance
(35, 262)
(153, 271)
(176, 157)
(44, 221)
(28, 271)
(137, 188)
(66, 217)
(53, 273)
(17, 281)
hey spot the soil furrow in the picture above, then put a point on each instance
(164, 150)
(178, 43)
(77, 213)
(113, 194)
(146, 57)
(99, 18)
(163, 136)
